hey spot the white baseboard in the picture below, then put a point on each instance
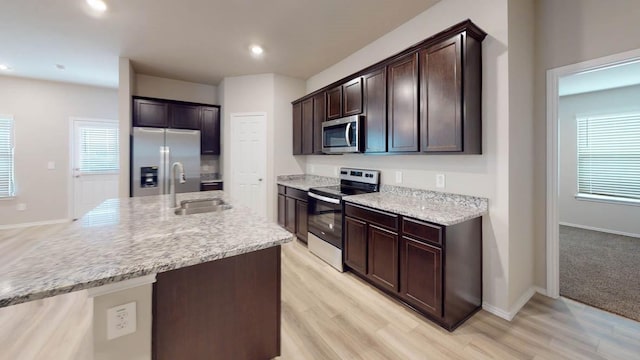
(37, 223)
(509, 315)
(540, 290)
(615, 232)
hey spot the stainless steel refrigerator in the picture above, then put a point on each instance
(153, 151)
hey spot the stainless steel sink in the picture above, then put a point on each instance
(189, 207)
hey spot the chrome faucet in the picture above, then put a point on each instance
(172, 186)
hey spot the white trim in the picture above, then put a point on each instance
(37, 223)
(607, 199)
(615, 232)
(552, 221)
(515, 309)
(540, 290)
(121, 285)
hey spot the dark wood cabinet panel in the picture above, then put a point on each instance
(210, 130)
(290, 215)
(281, 209)
(150, 113)
(352, 97)
(422, 231)
(319, 116)
(383, 257)
(441, 93)
(402, 95)
(307, 127)
(375, 111)
(211, 186)
(301, 220)
(421, 275)
(355, 244)
(184, 116)
(297, 128)
(377, 217)
(334, 103)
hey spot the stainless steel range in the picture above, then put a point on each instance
(325, 212)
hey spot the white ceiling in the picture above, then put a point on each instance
(193, 40)
(601, 79)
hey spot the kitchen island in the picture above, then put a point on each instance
(225, 259)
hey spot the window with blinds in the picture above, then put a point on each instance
(7, 184)
(99, 150)
(609, 157)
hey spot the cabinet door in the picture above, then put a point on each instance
(355, 244)
(421, 275)
(290, 215)
(334, 103)
(375, 111)
(301, 220)
(184, 116)
(441, 92)
(352, 97)
(403, 104)
(307, 127)
(319, 116)
(210, 130)
(297, 129)
(281, 209)
(150, 113)
(383, 257)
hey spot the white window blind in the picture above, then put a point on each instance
(99, 150)
(609, 156)
(7, 185)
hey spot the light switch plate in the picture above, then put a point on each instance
(440, 181)
(51, 165)
(21, 207)
(121, 320)
(399, 177)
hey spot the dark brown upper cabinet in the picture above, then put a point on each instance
(307, 127)
(334, 103)
(375, 111)
(150, 113)
(402, 113)
(450, 111)
(210, 130)
(297, 128)
(319, 115)
(184, 116)
(352, 97)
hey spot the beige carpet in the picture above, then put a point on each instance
(601, 270)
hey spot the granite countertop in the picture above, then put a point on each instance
(433, 206)
(132, 237)
(304, 182)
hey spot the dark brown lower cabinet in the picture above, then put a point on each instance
(281, 209)
(301, 220)
(290, 215)
(435, 269)
(421, 275)
(355, 244)
(383, 257)
(223, 309)
(292, 211)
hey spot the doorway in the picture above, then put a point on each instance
(95, 163)
(249, 160)
(593, 181)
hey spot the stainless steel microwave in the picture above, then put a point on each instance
(342, 135)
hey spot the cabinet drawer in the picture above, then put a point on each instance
(210, 186)
(295, 193)
(281, 189)
(380, 218)
(420, 230)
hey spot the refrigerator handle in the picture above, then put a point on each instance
(167, 166)
(162, 172)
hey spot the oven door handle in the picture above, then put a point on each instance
(324, 198)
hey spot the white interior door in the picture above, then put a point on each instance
(248, 160)
(95, 163)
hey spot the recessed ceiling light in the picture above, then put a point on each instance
(97, 5)
(256, 50)
(4, 67)
(60, 67)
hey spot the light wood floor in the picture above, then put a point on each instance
(328, 315)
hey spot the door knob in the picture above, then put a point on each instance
(260, 179)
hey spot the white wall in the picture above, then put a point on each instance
(41, 112)
(484, 175)
(163, 88)
(613, 217)
(568, 32)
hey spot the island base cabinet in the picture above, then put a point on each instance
(223, 309)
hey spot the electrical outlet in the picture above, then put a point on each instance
(312, 169)
(440, 181)
(21, 207)
(51, 165)
(335, 171)
(399, 177)
(121, 320)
